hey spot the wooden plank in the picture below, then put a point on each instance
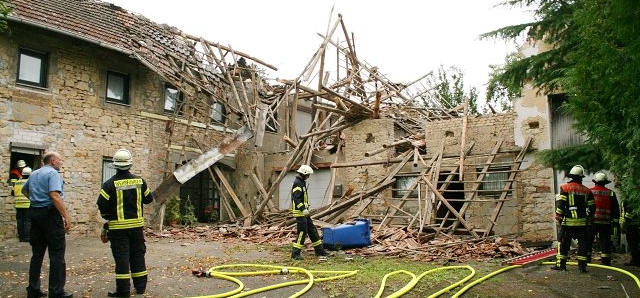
(478, 182)
(451, 209)
(507, 186)
(231, 193)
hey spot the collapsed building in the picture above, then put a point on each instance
(85, 78)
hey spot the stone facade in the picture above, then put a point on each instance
(72, 117)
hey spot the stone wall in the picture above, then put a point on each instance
(364, 137)
(71, 116)
(527, 213)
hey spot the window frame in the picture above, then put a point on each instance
(398, 192)
(178, 102)
(125, 92)
(107, 170)
(222, 111)
(44, 67)
(494, 181)
(271, 123)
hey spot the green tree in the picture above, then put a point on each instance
(449, 91)
(4, 11)
(595, 60)
(499, 94)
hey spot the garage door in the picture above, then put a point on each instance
(318, 185)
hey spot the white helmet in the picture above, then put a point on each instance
(577, 170)
(26, 171)
(601, 177)
(21, 164)
(305, 170)
(122, 159)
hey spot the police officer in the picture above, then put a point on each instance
(120, 203)
(23, 219)
(574, 210)
(606, 215)
(300, 211)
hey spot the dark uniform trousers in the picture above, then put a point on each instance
(128, 247)
(23, 219)
(305, 227)
(580, 233)
(47, 232)
(633, 241)
(603, 232)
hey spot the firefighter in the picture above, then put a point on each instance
(300, 210)
(23, 219)
(120, 203)
(16, 173)
(606, 216)
(574, 209)
(630, 225)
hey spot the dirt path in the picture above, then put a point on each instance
(90, 273)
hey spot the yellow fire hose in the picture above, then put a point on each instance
(336, 274)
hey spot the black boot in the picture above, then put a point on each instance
(582, 266)
(560, 265)
(321, 252)
(606, 261)
(295, 254)
(118, 294)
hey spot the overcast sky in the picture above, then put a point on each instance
(405, 39)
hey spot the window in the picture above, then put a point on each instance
(32, 68)
(117, 87)
(403, 185)
(494, 181)
(218, 113)
(107, 170)
(271, 125)
(172, 99)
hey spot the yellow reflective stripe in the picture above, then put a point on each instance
(120, 204)
(104, 194)
(561, 198)
(298, 243)
(147, 192)
(296, 189)
(138, 274)
(123, 276)
(574, 222)
(126, 223)
(319, 242)
(127, 182)
(139, 202)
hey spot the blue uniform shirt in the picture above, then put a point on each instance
(40, 183)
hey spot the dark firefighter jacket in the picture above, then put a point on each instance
(575, 204)
(628, 215)
(299, 197)
(121, 198)
(607, 207)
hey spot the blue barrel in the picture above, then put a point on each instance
(349, 235)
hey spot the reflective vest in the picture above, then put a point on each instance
(21, 200)
(575, 204)
(607, 209)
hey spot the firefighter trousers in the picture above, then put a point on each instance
(128, 249)
(580, 233)
(306, 227)
(603, 233)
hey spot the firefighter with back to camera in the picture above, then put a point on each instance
(120, 202)
(574, 210)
